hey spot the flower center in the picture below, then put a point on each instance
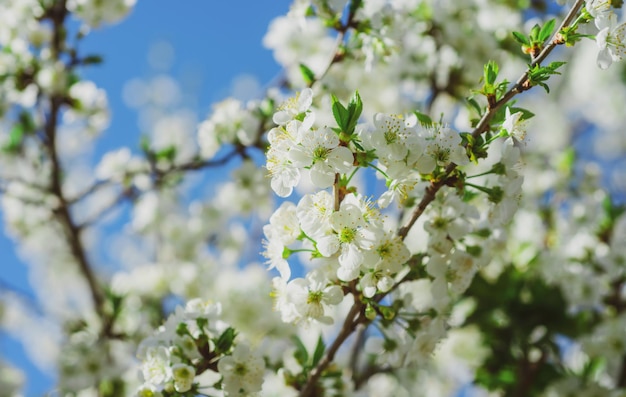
(320, 154)
(347, 235)
(240, 369)
(315, 297)
(391, 136)
(384, 250)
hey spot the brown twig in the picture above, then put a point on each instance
(353, 319)
(57, 14)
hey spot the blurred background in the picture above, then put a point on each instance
(177, 55)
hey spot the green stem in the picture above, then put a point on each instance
(481, 188)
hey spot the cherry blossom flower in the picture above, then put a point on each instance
(442, 147)
(294, 107)
(319, 150)
(183, 375)
(242, 371)
(156, 366)
(391, 136)
(148, 390)
(610, 40)
(351, 236)
(384, 260)
(598, 8)
(314, 212)
(514, 125)
(309, 296)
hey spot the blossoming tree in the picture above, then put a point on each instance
(421, 206)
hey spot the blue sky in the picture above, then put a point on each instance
(216, 41)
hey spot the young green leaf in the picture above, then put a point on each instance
(341, 114)
(301, 355)
(355, 108)
(423, 119)
(520, 38)
(16, 136)
(534, 33)
(319, 351)
(307, 74)
(474, 104)
(546, 30)
(491, 72)
(225, 340)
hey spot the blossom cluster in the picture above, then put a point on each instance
(350, 247)
(188, 345)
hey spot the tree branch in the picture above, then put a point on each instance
(57, 15)
(353, 319)
(483, 124)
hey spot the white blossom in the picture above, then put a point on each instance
(350, 237)
(610, 40)
(183, 376)
(514, 126)
(310, 296)
(320, 151)
(293, 107)
(442, 147)
(242, 371)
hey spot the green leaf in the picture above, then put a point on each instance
(301, 355)
(182, 330)
(319, 351)
(16, 136)
(474, 104)
(593, 368)
(307, 74)
(424, 119)
(168, 154)
(555, 65)
(225, 340)
(491, 72)
(520, 38)
(534, 33)
(341, 114)
(474, 250)
(355, 108)
(546, 30)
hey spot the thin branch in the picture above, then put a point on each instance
(127, 194)
(353, 319)
(57, 15)
(359, 340)
(338, 54)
